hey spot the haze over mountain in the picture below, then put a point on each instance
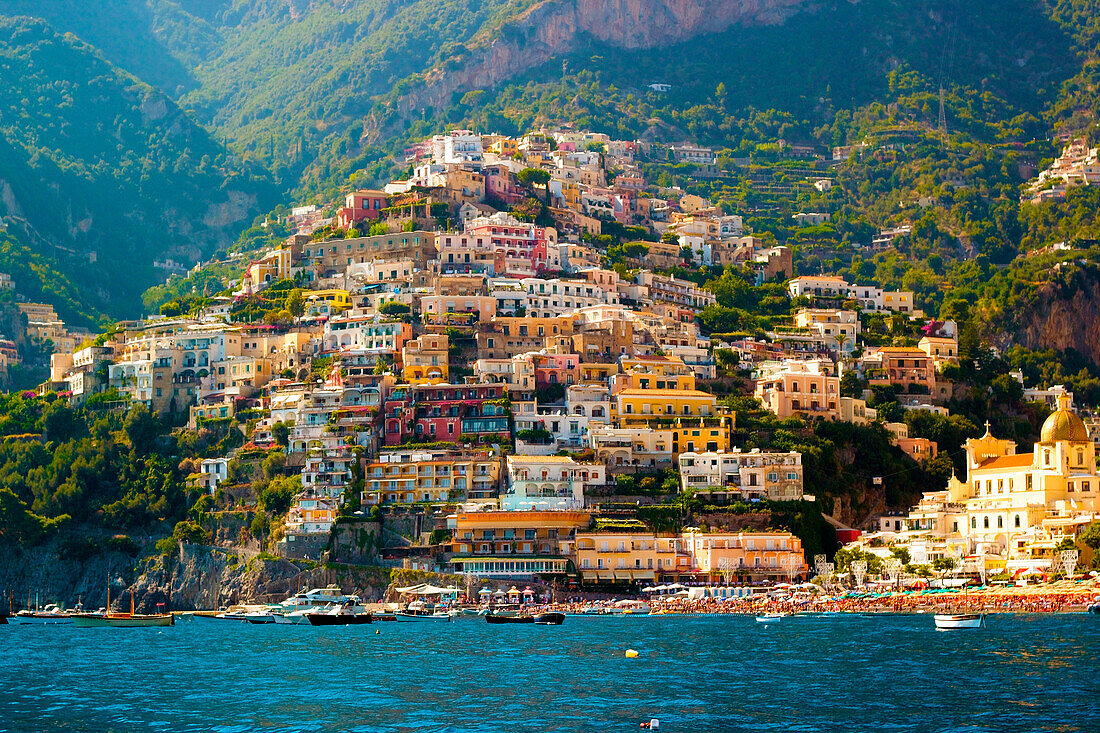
(115, 116)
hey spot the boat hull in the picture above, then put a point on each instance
(124, 622)
(422, 618)
(960, 621)
(39, 620)
(550, 619)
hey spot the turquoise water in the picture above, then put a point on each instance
(1021, 673)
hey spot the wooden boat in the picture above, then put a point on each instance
(550, 619)
(122, 620)
(494, 619)
(959, 620)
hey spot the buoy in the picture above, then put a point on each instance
(378, 631)
(631, 653)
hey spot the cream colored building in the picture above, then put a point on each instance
(1013, 509)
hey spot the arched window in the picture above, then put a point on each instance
(986, 523)
(1017, 520)
(1046, 457)
(1000, 522)
(1080, 457)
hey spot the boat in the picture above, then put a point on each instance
(292, 617)
(768, 618)
(260, 617)
(411, 616)
(314, 600)
(384, 617)
(122, 620)
(552, 618)
(630, 608)
(1094, 609)
(342, 615)
(52, 614)
(495, 619)
(959, 620)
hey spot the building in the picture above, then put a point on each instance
(738, 475)
(521, 545)
(1013, 509)
(425, 360)
(418, 475)
(445, 412)
(818, 286)
(361, 206)
(548, 482)
(810, 388)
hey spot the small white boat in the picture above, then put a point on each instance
(52, 614)
(960, 620)
(260, 617)
(768, 618)
(407, 617)
(293, 617)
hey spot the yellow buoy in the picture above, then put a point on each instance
(631, 653)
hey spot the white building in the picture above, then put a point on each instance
(752, 475)
(548, 482)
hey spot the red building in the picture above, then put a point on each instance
(443, 412)
(361, 206)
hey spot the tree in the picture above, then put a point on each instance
(280, 432)
(1090, 538)
(296, 302)
(851, 384)
(944, 565)
(394, 308)
(531, 177)
(141, 427)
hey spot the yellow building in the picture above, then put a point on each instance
(425, 359)
(1014, 508)
(636, 406)
(654, 372)
(327, 302)
(432, 476)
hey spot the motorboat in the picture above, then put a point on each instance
(959, 620)
(419, 611)
(52, 614)
(292, 617)
(342, 615)
(552, 618)
(413, 616)
(260, 617)
(498, 619)
(314, 599)
(768, 618)
(630, 608)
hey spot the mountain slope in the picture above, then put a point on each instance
(103, 174)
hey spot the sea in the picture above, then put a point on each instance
(702, 673)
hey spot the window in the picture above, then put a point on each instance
(985, 523)
(1017, 520)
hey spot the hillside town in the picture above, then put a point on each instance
(462, 348)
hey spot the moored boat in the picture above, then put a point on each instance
(338, 616)
(768, 618)
(550, 619)
(495, 619)
(959, 620)
(411, 616)
(123, 620)
(52, 614)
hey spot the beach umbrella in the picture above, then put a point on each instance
(485, 592)
(528, 592)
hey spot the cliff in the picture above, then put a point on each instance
(555, 27)
(1063, 314)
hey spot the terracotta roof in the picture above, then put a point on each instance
(1023, 460)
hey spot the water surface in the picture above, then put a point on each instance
(1021, 673)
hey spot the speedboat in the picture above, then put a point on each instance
(550, 619)
(959, 620)
(342, 615)
(292, 617)
(314, 599)
(496, 619)
(768, 618)
(52, 614)
(260, 617)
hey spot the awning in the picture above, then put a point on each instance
(644, 575)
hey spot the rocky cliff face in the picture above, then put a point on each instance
(555, 27)
(1064, 315)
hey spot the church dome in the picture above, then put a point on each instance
(1064, 425)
